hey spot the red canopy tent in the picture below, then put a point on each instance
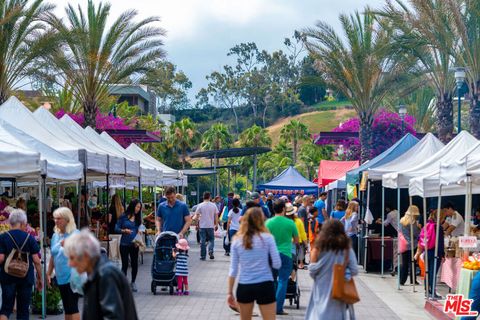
(329, 171)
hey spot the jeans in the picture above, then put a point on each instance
(475, 295)
(23, 292)
(281, 277)
(431, 276)
(132, 252)
(206, 234)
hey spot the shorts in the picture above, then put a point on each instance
(262, 293)
(69, 299)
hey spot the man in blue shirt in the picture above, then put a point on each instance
(322, 208)
(173, 215)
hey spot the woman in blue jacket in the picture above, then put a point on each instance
(127, 226)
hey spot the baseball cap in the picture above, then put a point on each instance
(255, 195)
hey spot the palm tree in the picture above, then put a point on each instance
(311, 154)
(95, 53)
(294, 132)
(273, 163)
(183, 135)
(423, 31)
(255, 136)
(362, 66)
(215, 138)
(22, 40)
(466, 15)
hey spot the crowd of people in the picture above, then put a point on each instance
(269, 240)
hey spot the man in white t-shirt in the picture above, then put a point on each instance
(207, 213)
(454, 224)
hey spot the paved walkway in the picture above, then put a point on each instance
(208, 288)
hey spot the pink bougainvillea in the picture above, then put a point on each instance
(387, 129)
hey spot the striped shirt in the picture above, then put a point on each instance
(182, 264)
(252, 266)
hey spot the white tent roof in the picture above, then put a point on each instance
(97, 159)
(148, 173)
(116, 165)
(340, 183)
(459, 147)
(424, 149)
(132, 166)
(58, 165)
(138, 153)
(17, 161)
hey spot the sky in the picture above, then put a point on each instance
(200, 32)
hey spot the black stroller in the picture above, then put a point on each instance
(163, 265)
(293, 291)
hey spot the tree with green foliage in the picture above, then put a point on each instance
(423, 31)
(294, 132)
(255, 136)
(23, 38)
(273, 163)
(360, 63)
(94, 53)
(169, 84)
(310, 156)
(184, 136)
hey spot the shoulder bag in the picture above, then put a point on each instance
(342, 289)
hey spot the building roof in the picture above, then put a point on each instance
(229, 153)
(129, 89)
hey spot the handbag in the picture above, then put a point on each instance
(344, 289)
(402, 243)
(17, 262)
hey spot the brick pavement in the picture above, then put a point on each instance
(208, 288)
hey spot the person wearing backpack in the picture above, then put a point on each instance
(429, 232)
(18, 255)
(64, 227)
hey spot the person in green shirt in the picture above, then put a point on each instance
(283, 230)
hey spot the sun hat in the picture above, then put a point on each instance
(255, 195)
(290, 209)
(182, 245)
(284, 198)
(413, 211)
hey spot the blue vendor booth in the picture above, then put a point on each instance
(289, 183)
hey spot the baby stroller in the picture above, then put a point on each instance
(163, 265)
(293, 291)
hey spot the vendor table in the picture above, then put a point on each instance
(450, 272)
(374, 253)
(465, 281)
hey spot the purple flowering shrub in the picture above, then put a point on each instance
(387, 129)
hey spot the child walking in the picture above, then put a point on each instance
(181, 255)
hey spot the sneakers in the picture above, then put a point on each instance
(134, 287)
(186, 293)
(211, 256)
(179, 293)
(202, 258)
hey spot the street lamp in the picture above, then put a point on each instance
(459, 79)
(402, 111)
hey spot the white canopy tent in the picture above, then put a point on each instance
(149, 175)
(17, 161)
(116, 165)
(341, 183)
(457, 148)
(18, 116)
(168, 173)
(132, 166)
(424, 149)
(96, 159)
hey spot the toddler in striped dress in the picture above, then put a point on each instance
(181, 255)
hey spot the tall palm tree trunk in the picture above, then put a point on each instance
(295, 147)
(90, 112)
(366, 136)
(475, 111)
(445, 117)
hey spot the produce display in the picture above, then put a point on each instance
(473, 262)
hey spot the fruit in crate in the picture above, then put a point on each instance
(4, 227)
(473, 263)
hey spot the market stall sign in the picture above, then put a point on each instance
(468, 242)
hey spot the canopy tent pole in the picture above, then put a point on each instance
(437, 231)
(398, 251)
(383, 231)
(366, 227)
(468, 211)
(425, 262)
(412, 259)
(79, 187)
(41, 205)
(228, 184)
(140, 191)
(215, 176)
(107, 205)
(360, 208)
(254, 182)
(124, 196)
(234, 180)
(155, 203)
(198, 190)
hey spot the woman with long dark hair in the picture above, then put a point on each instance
(128, 225)
(332, 246)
